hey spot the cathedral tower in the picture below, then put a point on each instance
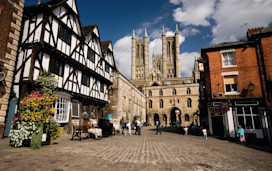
(140, 57)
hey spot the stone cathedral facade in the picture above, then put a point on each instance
(169, 97)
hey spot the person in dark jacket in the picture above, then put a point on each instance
(158, 126)
(122, 124)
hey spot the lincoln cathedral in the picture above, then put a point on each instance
(170, 97)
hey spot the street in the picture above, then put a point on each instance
(168, 151)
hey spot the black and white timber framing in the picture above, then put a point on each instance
(53, 39)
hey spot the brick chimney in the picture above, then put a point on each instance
(251, 31)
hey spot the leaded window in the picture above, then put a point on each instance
(91, 55)
(65, 35)
(56, 67)
(85, 80)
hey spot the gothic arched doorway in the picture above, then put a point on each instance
(174, 112)
(156, 116)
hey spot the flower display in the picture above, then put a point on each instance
(54, 130)
(37, 106)
(34, 111)
(23, 131)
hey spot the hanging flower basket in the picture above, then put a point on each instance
(224, 107)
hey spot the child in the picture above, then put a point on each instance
(241, 134)
(205, 133)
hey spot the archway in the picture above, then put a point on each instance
(156, 116)
(174, 112)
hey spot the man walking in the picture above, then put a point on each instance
(122, 124)
(158, 126)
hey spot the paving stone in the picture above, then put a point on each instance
(169, 151)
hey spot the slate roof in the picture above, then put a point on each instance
(88, 29)
(105, 45)
(264, 30)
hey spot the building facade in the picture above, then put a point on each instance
(11, 13)
(53, 39)
(170, 97)
(125, 100)
(233, 88)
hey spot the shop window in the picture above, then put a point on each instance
(230, 83)
(248, 117)
(62, 109)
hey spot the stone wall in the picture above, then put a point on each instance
(11, 12)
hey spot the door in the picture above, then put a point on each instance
(10, 116)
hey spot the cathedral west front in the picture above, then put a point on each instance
(169, 97)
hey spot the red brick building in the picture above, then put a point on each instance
(236, 85)
(11, 12)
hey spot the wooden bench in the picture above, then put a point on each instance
(78, 130)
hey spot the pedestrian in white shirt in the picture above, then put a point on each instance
(128, 125)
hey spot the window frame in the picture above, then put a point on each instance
(150, 93)
(189, 103)
(87, 78)
(251, 115)
(161, 104)
(174, 92)
(150, 104)
(72, 109)
(56, 67)
(65, 111)
(64, 35)
(91, 58)
(222, 58)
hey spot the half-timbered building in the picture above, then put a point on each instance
(53, 39)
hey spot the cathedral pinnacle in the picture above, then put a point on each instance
(176, 28)
(163, 33)
(133, 34)
(145, 33)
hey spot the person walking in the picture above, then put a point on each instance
(158, 126)
(122, 124)
(137, 126)
(128, 127)
(241, 134)
(204, 130)
(185, 130)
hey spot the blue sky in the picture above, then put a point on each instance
(200, 22)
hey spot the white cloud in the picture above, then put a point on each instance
(189, 31)
(187, 63)
(194, 12)
(175, 2)
(230, 15)
(122, 55)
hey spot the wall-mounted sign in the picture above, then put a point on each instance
(2, 76)
(201, 67)
(110, 117)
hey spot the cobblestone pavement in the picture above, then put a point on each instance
(168, 151)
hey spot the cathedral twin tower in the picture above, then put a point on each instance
(165, 66)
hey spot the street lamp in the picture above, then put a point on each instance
(251, 86)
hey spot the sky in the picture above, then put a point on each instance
(200, 22)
